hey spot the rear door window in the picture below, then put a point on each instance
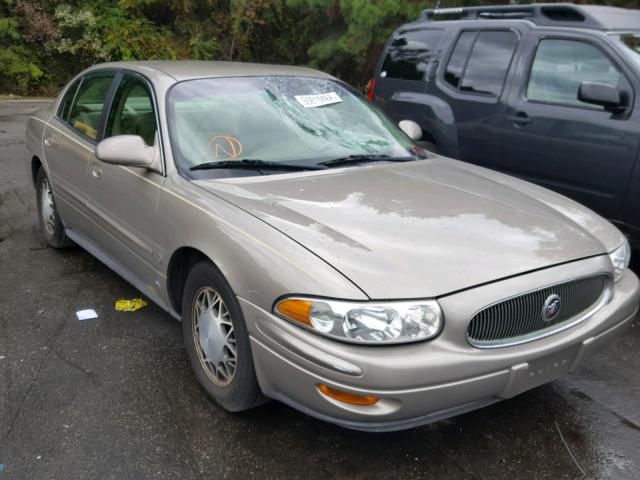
(489, 62)
(87, 107)
(409, 54)
(480, 61)
(132, 112)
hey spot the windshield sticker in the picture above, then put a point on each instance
(224, 147)
(312, 101)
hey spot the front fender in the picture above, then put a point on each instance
(260, 263)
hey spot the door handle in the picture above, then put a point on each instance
(520, 119)
(96, 170)
(48, 142)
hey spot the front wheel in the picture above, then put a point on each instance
(217, 341)
(50, 223)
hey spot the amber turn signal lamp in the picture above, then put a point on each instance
(296, 310)
(347, 397)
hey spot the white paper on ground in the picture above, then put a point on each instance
(311, 101)
(88, 314)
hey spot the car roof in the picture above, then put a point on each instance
(540, 14)
(190, 69)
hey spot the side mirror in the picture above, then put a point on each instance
(602, 94)
(125, 150)
(411, 128)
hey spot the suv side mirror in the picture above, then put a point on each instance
(125, 150)
(411, 128)
(602, 94)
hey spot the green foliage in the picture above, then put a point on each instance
(77, 35)
(17, 72)
(9, 29)
(44, 42)
(128, 38)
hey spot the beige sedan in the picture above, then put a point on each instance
(315, 253)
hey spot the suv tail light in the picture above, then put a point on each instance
(368, 90)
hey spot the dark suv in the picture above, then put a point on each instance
(546, 92)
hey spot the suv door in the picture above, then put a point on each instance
(471, 81)
(126, 198)
(69, 140)
(553, 139)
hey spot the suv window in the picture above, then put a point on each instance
(87, 108)
(409, 54)
(458, 58)
(560, 66)
(480, 61)
(65, 104)
(489, 61)
(132, 112)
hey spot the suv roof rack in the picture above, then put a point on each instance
(548, 14)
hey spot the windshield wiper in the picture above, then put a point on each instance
(355, 159)
(254, 164)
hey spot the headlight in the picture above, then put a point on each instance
(365, 322)
(620, 259)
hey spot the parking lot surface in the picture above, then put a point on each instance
(115, 397)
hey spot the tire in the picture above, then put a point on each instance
(50, 222)
(210, 334)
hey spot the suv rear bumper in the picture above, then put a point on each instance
(424, 382)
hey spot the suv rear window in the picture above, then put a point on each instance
(480, 61)
(409, 54)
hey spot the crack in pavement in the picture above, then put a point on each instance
(583, 396)
(94, 377)
(23, 400)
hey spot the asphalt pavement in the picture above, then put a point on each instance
(115, 398)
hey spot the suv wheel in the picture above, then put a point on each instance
(50, 223)
(217, 341)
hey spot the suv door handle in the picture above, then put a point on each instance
(520, 119)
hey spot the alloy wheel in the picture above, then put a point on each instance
(48, 208)
(214, 336)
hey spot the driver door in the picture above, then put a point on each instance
(127, 227)
(553, 139)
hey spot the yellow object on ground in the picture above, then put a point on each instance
(130, 305)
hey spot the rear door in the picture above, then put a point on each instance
(69, 141)
(404, 70)
(471, 81)
(553, 139)
(126, 198)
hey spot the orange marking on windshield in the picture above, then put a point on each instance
(225, 147)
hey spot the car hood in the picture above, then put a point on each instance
(417, 229)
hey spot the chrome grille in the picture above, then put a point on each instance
(521, 319)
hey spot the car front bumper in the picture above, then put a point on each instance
(428, 381)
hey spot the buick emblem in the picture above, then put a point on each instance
(551, 309)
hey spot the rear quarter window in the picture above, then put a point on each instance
(409, 54)
(65, 105)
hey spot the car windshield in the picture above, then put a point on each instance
(287, 120)
(630, 40)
